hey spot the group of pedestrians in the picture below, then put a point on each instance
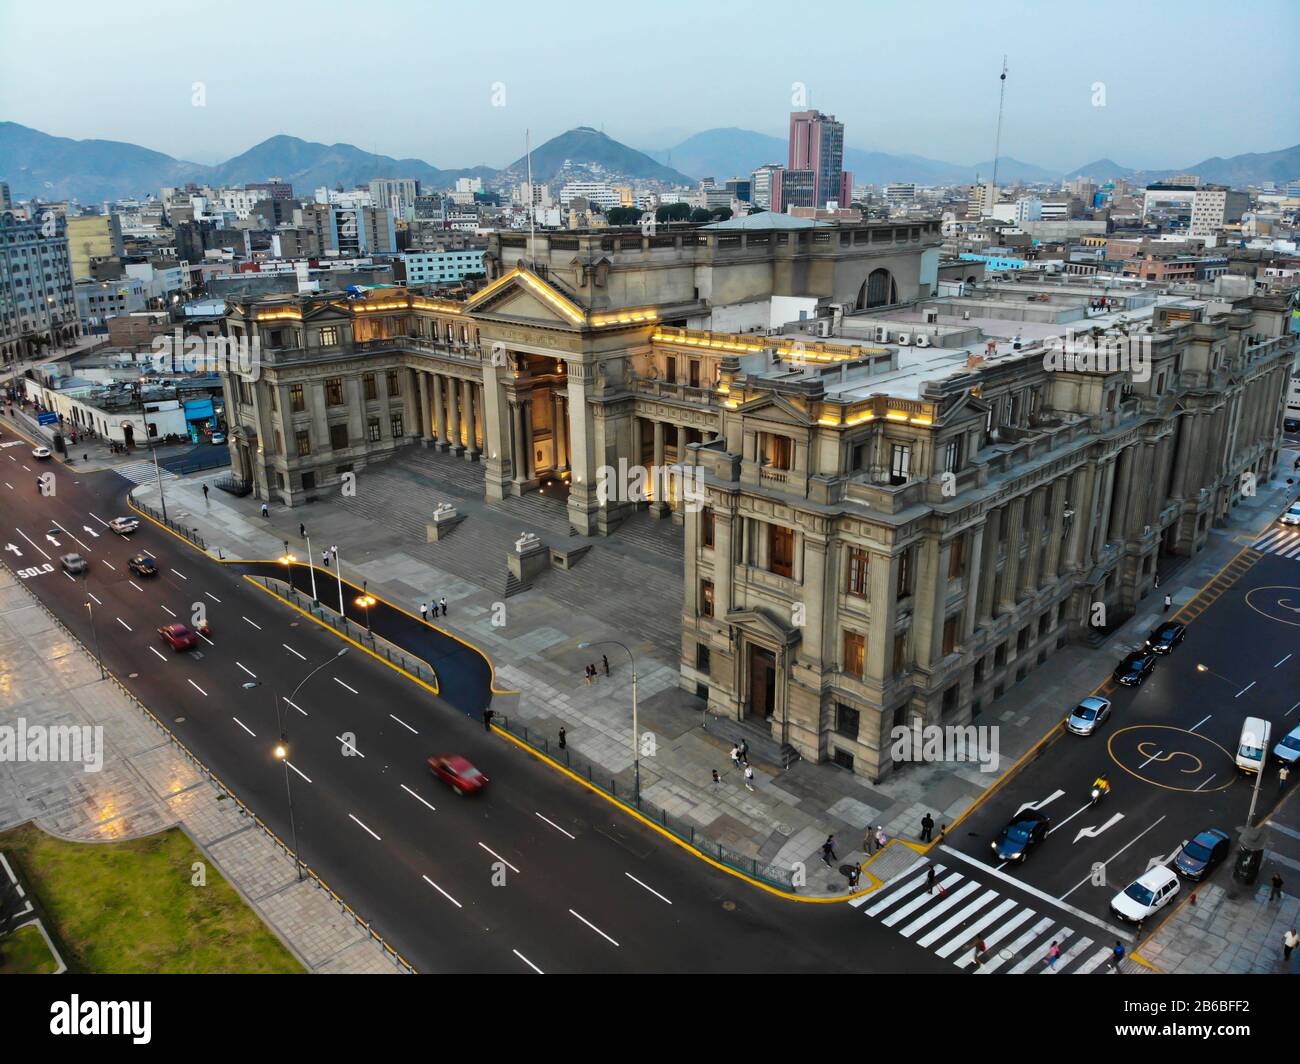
(441, 604)
(590, 673)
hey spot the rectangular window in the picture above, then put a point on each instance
(780, 550)
(329, 336)
(396, 422)
(695, 372)
(339, 436)
(957, 558)
(303, 436)
(706, 598)
(905, 574)
(857, 572)
(855, 649)
(702, 657)
(371, 386)
(670, 368)
(706, 526)
(296, 402)
(372, 430)
(900, 653)
(775, 452)
(393, 383)
(900, 463)
(950, 635)
(952, 455)
(847, 720)
(333, 391)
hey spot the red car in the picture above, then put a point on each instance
(179, 636)
(457, 773)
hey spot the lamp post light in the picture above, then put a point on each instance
(365, 602)
(636, 735)
(94, 632)
(311, 567)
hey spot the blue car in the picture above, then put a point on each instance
(1287, 749)
(1199, 855)
(1027, 829)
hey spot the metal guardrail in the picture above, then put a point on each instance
(220, 457)
(186, 533)
(771, 874)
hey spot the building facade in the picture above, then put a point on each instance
(93, 236)
(817, 144)
(38, 304)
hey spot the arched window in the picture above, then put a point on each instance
(878, 290)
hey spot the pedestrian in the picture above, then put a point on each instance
(424, 611)
(744, 750)
(1116, 955)
(1053, 954)
(881, 837)
(563, 739)
(1289, 942)
(927, 827)
(443, 603)
(1283, 774)
(717, 780)
(325, 558)
(930, 876)
(869, 840)
(855, 872)
(828, 850)
(977, 953)
(1157, 581)
(266, 510)
(205, 488)
(604, 660)
(488, 714)
(735, 756)
(586, 672)
(302, 530)
(749, 777)
(1168, 602)
(1276, 892)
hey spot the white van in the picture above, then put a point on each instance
(1253, 744)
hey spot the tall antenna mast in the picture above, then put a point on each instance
(997, 146)
(532, 209)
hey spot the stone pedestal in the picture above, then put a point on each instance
(529, 557)
(445, 518)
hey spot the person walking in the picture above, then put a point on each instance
(205, 488)
(266, 510)
(735, 756)
(1116, 956)
(488, 714)
(717, 780)
(563, 739)
(302, 530)
(604, 660)
(855, 873)
(1276, 892)
(1283, 774)
(1168, 602)
(586, 674)
(1157, 583)
(749, 777)
(1053, 954)
(977, 955)
(1289, 942)
(927, 827)
(869, 841)
(325, 558)
(930, 876)
(828, 850)
(881, 837)
(443, 603)
(424, 611)
(744, 750)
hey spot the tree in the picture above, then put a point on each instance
(673, 212)
(722, 214)
(623, 216)
(700, 216)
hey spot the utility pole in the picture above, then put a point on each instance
(997, 144)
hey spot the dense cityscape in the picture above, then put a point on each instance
(755, 555)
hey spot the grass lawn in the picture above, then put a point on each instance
(24, 952)
(129, 907)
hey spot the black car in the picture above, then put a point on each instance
(1026, 830)
(1291, 424)
(1165, 637)
(143, 565)
(1197, 858)
(1135, 668)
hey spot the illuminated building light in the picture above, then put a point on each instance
(922, 421)
(896, 415)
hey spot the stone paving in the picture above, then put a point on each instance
(628, 587)
(146, 785)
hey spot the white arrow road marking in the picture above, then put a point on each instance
(53, 540)
(78, 542)
(11, 547)
(1039, 805)
(1088, 878)
(91, 531)
(1092, 833)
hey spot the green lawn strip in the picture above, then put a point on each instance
(24, 952)
(129, 907)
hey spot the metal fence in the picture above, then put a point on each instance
(773, 874)
(234, 485)
(191, 534)
(220, 456)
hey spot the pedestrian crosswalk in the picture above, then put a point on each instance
(944, 909)
(1281, 540)
(142, 472)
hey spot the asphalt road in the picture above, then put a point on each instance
(534, 873)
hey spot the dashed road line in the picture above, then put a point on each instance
(438, 888)
(417, 797)
(592, 926)
(366, 829)
(245, 727)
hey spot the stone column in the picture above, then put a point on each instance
(559, 432)
(660, 504)
(530, 470)
(471, 438)
(426, 424)
(439, 413)
(1015, 520)
(989, 566)
(1118, 526)
(814, 577)
(722, 563)
(1030, 579)
(974, 570)
(517, 442)
(453, 417)
(1056, 519)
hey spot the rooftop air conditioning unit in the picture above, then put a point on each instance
(904, 339)
(882, 334)
(824, 327)
(922, 340)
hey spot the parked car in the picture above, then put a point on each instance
(124, 526)
(218, 437)
(41, 452)
(457, 773)
(1164, 637)
(1026, 830)
(1288, 747)
(1151, 891)
(143, 565)
(1201, 853)
(73, 563)
(1291, 424)
(1292, 515)
(179, 636)
(1088, 715)
(1135, 668)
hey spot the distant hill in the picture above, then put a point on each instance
(1252, 168)
(723, 153)
(591, 150)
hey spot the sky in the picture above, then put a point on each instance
(1149, 84)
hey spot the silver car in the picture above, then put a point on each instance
(124, 526)
(1292, 516)
(1088, 715)
(73, 563)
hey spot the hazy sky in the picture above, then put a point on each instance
(1183, 79)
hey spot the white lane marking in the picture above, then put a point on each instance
(298, 770)
(168, 612)
(98, 518)
(339, 738)
(1245, 689)
(1070, 817)
(502, 860)
(245, 727)
(180, 574)
(1283, 661)
(1291, 710)
(1212, 775)
(159, 653)
(110, 565)
(70, 536)
(294, 652)
(199, 689)
(1200, 722)
(1107, 861)
(342, 684)
(24, 535)
(124, 624)
(97, 602)
(364, 828)
(401, 722)
(417, 797)
(297, 707)
(1150, 759)
(527, 962)
(593, 927)
(9, 486)
(205, 639)
(134, 584)
(554, 825)
(246, 669)
(69, 576)
(650, 889)
(257, 626)
(442, 892)
(212, 596)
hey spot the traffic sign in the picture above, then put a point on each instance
(47, 419)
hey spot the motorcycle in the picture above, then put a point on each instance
(1098, 793)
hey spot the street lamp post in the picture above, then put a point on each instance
(1263, 745)
(311, 566)
(636, 733)
(94, 633)
(365, 602)
(338, 571)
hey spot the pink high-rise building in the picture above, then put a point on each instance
(817, 144)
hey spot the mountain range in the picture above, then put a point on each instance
(56, 168)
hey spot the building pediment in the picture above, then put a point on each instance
(762, 623)
(777, 408)
(521, 294)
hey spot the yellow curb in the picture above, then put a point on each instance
(432, 689)
(1146, 964)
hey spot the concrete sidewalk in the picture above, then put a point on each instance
(628, 587)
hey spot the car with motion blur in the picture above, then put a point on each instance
(124, 526)
(1025, 830)
(218, 437)
(457, 773)
(179, 636)
(1149, 893)
(73, 563)
(1287, 749)
(1164, 637)
(1291, 518)
(1198, 856)
(1088, 715)
(41, 452)
(1135, 668)
(143, 565)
